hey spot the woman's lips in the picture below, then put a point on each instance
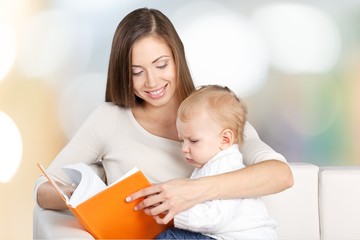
(157, 93)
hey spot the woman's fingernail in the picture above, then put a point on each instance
(135, 208)
(128, 199)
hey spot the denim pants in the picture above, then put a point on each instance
(177, 233)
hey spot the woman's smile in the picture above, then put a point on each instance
(158, 93)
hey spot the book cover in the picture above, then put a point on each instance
(107, 215)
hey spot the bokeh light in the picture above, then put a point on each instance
(10, 148)
(54, 46)
(300, 79)
(222, 47)
(301, 38)
(314, 105)
(7, 49)
(80, 97)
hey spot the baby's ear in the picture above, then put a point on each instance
(227, 138)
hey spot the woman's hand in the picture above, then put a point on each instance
(165, 200)
(49, 198)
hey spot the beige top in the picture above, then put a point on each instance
(112, 135)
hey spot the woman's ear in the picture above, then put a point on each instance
(227, 138)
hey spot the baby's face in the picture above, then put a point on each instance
(201, 138)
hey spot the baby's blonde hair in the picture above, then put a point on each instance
(221, 104)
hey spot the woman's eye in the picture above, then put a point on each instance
(137, 73)
(162, 66)
(193, 141)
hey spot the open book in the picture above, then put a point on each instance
(102, 210)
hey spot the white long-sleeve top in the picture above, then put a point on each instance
(112, 134)
(227, 219)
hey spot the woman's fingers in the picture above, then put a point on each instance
(142, 193)
(163, 220)
(68, 190)
(157, 209)
(149, 202)
(166, 199)
(150, 194)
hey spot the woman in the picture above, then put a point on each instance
(148, 78)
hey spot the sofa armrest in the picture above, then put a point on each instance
(296, 209)
(339, 197)
(49, 224)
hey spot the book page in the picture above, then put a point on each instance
(88, 183)
(126, 175)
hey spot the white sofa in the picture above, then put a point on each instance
(324, 203)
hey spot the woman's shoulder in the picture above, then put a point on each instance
(105, 113)
(108, 109)
(254, 150)
(250, 131)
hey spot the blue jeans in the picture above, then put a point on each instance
(177, 233)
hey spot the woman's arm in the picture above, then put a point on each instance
(266, 173)
(267, 177)
(86, 146)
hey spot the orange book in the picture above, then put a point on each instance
(102, 210)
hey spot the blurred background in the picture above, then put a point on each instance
(296, 64)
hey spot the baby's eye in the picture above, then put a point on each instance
(194, 141)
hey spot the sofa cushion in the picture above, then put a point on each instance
(48, 224)
(296, 209)
(339, 198)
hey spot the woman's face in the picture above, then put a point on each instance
(153, 71)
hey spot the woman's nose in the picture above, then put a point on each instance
(150, 80)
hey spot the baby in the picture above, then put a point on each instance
(210, 125)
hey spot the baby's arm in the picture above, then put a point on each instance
(207, 217)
